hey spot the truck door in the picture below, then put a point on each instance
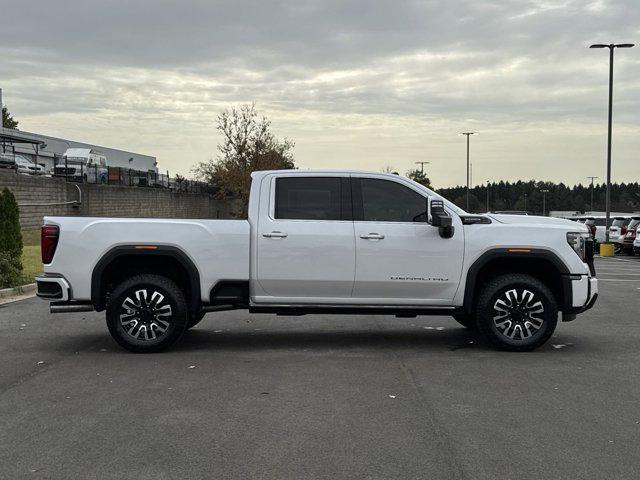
(305, 241)
(401, 259)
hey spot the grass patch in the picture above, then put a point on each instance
(31, 262)
(31, 237)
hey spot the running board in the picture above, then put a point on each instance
(70, 307)
(298, 310)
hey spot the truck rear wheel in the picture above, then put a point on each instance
(516, 312)
(147, 313)
(194, 319)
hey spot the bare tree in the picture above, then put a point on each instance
(247, 145)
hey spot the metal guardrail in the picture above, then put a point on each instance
(72, 202)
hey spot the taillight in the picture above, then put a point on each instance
(48, 242)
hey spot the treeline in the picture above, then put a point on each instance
(625, 197)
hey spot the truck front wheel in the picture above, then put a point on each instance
(147, 313)
(468, 321)
(516, 312)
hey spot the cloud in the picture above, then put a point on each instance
(353, 83)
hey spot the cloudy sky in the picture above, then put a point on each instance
(356, 84)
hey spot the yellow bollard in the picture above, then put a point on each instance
(606, 249)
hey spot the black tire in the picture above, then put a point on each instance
(194, 319)
(465, 320)
(146, 314)
(525, 312)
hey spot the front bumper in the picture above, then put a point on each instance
(53, 287)
(585, 294)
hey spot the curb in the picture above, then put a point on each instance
(9, 294)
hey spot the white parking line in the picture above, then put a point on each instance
(616, 280)
(619, 269)
(616, 274)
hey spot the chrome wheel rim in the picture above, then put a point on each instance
(144, 316)
(518, 314)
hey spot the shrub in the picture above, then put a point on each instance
(10, 270)
(10, 240)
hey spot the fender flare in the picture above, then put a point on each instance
(528, 253)
(160, 250)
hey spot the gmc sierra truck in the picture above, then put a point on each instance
(331, 242)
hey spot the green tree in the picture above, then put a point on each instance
(475, 205)
(10, 240)
(419, 177)
(247, 145)
(7, 120)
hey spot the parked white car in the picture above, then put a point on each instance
(26, 166)
(617, 231)
(330, 242)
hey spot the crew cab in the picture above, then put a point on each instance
(331, 242)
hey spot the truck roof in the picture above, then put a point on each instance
(81, 152)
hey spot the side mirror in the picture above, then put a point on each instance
(438, 217)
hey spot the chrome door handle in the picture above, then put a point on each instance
(275, 235)
(372, 236)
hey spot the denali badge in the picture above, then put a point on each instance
(418, 279)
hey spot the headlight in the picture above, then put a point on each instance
(577, 241)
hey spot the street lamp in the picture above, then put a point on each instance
(544, 198)
(468, 134)
(592, 179)
(611, 47)
(487, 196)
(525, 202)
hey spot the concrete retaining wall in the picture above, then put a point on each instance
(105, 200)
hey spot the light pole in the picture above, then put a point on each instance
(468, 134)
(422, 166)
(487, 196)
(525, 202)
(544, 203)
(592, 179)
(611, 47)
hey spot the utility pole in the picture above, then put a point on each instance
(544, 198)
(592, 179)
(468, 134)
(422, 164)
(611, 47)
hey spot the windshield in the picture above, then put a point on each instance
(634, 223)
(433, 194)
(23, 160)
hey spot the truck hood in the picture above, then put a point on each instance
(537, 220)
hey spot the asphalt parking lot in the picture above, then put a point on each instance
(323, 397)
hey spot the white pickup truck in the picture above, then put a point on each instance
(337, 242)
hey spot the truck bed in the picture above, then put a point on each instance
(218, 248)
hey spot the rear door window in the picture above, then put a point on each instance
(312, 198)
